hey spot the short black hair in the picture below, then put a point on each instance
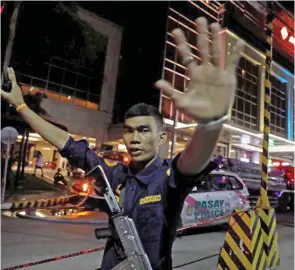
(142, 109)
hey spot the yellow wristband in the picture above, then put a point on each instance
(20, 107)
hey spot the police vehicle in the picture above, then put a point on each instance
(280, 189)
(213, 200)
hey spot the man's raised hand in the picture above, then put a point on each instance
(211, 89)
(15, 96)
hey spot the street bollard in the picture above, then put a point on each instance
(8, 137)
(243, 246)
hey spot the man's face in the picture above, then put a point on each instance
(142, 137)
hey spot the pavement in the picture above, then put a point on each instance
(83, 217)
(47, 173)
(37, 196)
(24, 241)
(31, 195)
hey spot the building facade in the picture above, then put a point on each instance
(130, 56)
(242, 137)
(80, 96)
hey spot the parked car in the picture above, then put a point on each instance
(215, 196)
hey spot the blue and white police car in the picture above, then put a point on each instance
(214, 199)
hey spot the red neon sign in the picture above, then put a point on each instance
(286, 36)
(283, 33)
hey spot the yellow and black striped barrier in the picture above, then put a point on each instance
(37, 203)
(243, 247)
(251, 241)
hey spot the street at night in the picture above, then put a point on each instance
(25, 241)
(173, 120)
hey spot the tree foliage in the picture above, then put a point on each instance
(54, 29)
(94, 41)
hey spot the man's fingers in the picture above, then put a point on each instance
(216, 44)
(202, 39)
(168, 90)
(183, 47)
(235, 56)
(11, 76)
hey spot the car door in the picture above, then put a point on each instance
(238, 194)
(219, 204)
(192, 211)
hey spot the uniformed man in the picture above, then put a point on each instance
(154, 190)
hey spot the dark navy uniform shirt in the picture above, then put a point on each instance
(153, 199)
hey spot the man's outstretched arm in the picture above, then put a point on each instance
(55, 136)
(198, 152)
(210, 95)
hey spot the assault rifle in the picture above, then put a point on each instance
(136, 258)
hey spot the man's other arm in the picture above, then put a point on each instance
(50, 133)
(77, 152)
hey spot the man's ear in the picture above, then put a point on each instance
(162, 138)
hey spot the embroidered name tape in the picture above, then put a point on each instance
(149, 199)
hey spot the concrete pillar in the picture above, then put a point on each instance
(228, 150)
(174, 133)
(256, 157)
(114, 35)
(108, 90)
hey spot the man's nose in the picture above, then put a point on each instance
(135, 137)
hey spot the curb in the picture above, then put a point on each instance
(95, 222)
(36, 203)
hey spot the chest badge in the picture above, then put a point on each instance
(150, 199)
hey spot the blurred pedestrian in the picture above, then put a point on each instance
(58, 177)
(39, 163)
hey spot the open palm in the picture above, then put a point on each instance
(211, 89)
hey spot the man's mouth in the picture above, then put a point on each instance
(135, 151)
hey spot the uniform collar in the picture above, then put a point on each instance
(146, 175)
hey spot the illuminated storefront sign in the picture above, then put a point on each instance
(283, 33)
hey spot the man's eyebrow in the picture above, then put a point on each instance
(137, 127)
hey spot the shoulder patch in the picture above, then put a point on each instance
(110, 163)
(168, 172)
